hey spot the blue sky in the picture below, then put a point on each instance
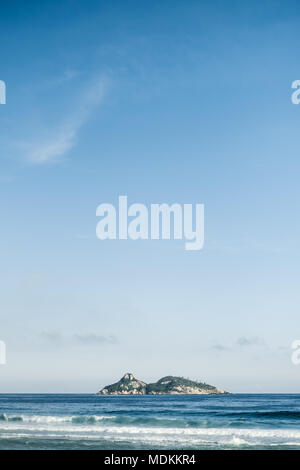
(185, 102)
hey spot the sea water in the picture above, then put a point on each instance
(70, 421)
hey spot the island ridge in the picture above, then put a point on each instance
(169, 385)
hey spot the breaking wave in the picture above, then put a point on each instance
(88, 422)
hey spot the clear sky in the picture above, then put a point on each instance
(172, 101)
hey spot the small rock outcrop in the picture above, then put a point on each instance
(169, 385)
(128, 385)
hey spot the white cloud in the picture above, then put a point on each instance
(94, 339)
(84, 339)
(254, 341)
(65, 77)
(64, 138)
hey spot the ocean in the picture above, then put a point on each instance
(238, 421)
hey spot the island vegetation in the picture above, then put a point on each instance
(129, 385)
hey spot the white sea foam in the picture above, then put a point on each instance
(64, 427)
(52, 419)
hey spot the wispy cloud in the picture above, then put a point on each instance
(85, 339)
(95, 339)
(64, 137)
(255, 341)
(241, 342)
(51, 336)
(65, 77)
(220, 347)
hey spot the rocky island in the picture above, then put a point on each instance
(129, 385)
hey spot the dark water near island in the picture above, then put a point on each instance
(149, 422)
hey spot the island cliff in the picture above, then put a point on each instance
(129, 385)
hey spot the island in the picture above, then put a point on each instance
(169, 385)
